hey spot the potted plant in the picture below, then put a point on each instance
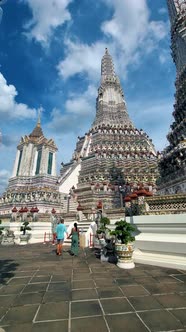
(24, 237)
(1, 231)
(103, 231)
(124, 244)
(6, 236)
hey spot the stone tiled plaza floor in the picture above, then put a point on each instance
(43, 292)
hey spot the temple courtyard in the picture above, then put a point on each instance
(40, 291)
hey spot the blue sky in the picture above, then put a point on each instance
(50, 57)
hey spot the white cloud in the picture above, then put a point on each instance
(132, 29)
(158, 30)
(162, 11)
(165, 57)
(47, 16)
(78, 106)
(129, 23)
(147, 114)
(9, 108)
(8, 140)
(62, 122)
(4, 176)
(129, 35)
(81, 58)
(4, 172)
(75, 121)
(79, 112)
(82, 104)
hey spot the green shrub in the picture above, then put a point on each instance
(1, 228)
(124, 232)
(24, 227)
(104, 221)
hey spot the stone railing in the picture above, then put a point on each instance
(165, 204)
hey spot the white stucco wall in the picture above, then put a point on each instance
(54, 172)
(71, 180)
(41, 232)
(26, 160)
(160, 240)
(44, 160)
(14, 172)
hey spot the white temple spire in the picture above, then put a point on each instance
(107, 66)
(111, 106)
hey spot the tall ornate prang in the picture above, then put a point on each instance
(173, 161)
(114, 155)
(110, 106)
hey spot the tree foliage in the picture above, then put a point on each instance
(104, 221)
(24, 227)
(124, 232)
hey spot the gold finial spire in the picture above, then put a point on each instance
(37, 132)
(39, 116)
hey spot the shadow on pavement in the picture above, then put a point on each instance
(7, 268)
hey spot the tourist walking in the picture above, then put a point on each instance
(60, 231)
(75, 240)
(54, 225)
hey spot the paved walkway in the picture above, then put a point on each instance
(43, 292)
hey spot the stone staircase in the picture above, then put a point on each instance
(69, 204)
(83, 225)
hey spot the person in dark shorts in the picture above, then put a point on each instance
(60, 231)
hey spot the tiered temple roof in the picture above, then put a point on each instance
(37, 138)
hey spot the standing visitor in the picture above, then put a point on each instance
(60, 231)
(54, 225)
(75, 240)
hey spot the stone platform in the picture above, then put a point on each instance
(43, 292)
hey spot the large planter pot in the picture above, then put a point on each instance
(7, 240)
(102, 242)
(124, 253)
(24, 239)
